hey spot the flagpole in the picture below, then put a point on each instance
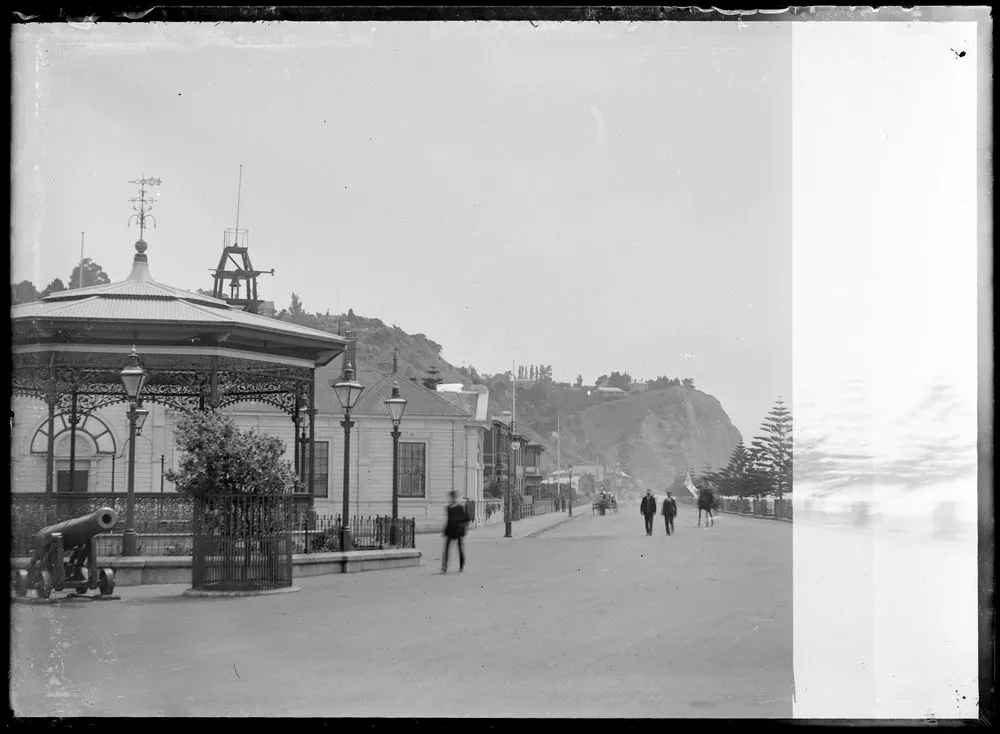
(79, 280)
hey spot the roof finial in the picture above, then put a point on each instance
(395, 363)
(141, 205)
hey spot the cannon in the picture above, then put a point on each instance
(51, 570)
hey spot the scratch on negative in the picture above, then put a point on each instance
(236, 671)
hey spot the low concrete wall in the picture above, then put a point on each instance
(139, 571)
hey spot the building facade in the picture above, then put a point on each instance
(441, 448)
(497, 456)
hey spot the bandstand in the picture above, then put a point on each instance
(199, 352)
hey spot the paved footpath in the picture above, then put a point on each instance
(591, 618)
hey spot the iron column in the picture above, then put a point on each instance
(129, 537)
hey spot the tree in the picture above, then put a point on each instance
(579, 380)
(733, 479)
(600, 381)
(663, 382)
(93, 274)
(295, 309)
(55, 286)
(218, 458)
(759, 481)
(229, 473)
(432, 380)
(777, 427)
(688, 383)
(620, 380)
(23, 292)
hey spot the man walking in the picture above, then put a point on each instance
(669, 512)
(454, 530)
(648, 510)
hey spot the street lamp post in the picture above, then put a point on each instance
(396, 406)
(348, 391)
(507, 509)
(512, 478)
(133, 377)
(570, 491)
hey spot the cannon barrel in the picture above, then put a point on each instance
(80, 529)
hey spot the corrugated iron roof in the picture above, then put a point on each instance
(419, 400)
(137, 288)
(140, 298)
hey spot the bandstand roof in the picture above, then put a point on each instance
(142, 311)
(198, 351)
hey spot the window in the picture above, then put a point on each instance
(412, 469)
(321, 469)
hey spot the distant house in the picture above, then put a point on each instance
(529, 468)
(496, 454)
(638, 386)
(609, 392)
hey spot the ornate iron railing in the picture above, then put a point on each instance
(373, 532)
(155, 513)
(242, 542)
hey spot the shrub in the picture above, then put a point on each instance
(218, 458)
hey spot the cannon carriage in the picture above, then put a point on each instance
(50, 569)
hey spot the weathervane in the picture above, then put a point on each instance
(142, 205)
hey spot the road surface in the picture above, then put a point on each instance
(590, 619)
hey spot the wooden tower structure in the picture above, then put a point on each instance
(235, 271)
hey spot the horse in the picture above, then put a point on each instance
(706, 503)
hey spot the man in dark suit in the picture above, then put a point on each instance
(669, 512)
(454, 530)
(648, 510)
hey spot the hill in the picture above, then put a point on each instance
(376, 342)
(658, 435)
(655, 435)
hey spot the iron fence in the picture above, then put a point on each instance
(147, 544)
(242, 542)
(488, 510)
(165, 524)
(522, 511)
(758, 507)
(154, 513)
(543, 506)
(322, 534)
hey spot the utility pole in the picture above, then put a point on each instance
(79, 280)
(558, 459)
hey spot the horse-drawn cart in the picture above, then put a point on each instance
(603, 504)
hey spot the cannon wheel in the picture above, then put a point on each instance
(44, 584)
(21, 583)
(84, 585)
(107, 582)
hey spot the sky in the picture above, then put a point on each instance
(597, 197)
(885, 237)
